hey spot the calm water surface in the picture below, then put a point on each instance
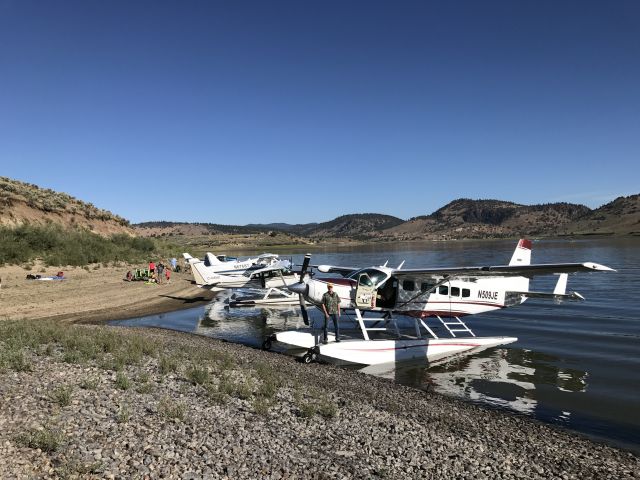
(576, 364)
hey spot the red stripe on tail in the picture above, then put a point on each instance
(524, 243)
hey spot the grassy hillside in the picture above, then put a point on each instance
(25, 203)
(56, 245)
(619, 217)
(466, 218)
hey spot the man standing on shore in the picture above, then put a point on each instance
(331, 307)
(160, 268)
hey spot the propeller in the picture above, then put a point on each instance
(301, 288)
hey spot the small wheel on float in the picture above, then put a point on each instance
(266, 345)
(307, 358)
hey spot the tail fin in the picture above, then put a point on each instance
(211, 259)
(521, 256)
(522, 253)
(197, 273)
(561, 286)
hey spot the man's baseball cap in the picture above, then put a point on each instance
(329, 285)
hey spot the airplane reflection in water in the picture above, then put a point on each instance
(246, 325)
(507, 378)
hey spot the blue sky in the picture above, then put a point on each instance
(275, 111)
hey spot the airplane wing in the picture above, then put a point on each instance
(505, 270)
(279, 265)
(344, 271)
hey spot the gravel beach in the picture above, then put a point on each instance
(76, 403)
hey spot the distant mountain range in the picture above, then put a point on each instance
(463, 218)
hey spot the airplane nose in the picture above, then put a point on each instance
(299, 288)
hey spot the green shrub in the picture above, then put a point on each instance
(16, 360)
(122, 381)
(197, 375)
(46, 439)
(62, 395)
(73, 246)
(124, 414)
(89, 383)
(261, 406)
(167, 365)
(171, 409)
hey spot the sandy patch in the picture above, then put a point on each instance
(95, 295)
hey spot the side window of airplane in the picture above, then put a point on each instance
(364, 279)
(375, 276)
(455, 291)
(426, 286)
(466, 293)
(443, 290)
(408, 285)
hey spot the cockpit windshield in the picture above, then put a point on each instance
(376, 276)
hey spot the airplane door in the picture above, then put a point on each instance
(365, 292)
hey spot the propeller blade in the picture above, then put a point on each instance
(305, 266)
(303, 309)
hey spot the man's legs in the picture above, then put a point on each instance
(324, 339)
(336, 327)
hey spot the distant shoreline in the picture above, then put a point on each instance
(303, 247)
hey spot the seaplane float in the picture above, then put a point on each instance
(445, 295)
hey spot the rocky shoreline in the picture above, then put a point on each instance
(108, 402)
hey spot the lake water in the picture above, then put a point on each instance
(576, 364)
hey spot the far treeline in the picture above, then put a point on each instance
(56, 245)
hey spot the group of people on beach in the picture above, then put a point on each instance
(160, 272)
(155, 273)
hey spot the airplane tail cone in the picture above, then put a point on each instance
(300, 288)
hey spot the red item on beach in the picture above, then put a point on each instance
(167, 273)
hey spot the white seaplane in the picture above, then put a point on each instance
(271, 276)
(225, 265)
(446, 294)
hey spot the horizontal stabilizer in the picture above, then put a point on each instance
(189, 259)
